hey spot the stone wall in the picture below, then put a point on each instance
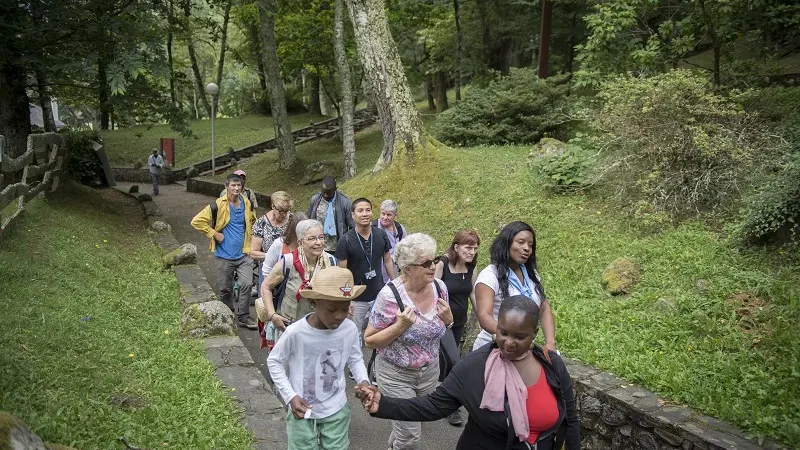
(143, 175)
(618, 415)
(214, 188)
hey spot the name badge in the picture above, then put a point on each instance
(370, 275)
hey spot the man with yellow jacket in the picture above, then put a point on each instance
(228, 222)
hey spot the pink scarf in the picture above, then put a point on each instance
(501, 379)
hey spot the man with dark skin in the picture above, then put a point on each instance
(331, 208)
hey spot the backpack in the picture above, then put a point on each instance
(448, 350)
(400, 230)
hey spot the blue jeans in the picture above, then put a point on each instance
(154, 176)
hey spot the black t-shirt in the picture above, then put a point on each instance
(363, 257)
(459, 287)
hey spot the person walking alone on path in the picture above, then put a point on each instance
(388, 223)
(228, 222)
(155, 163)
(365, 250)
(332, 209)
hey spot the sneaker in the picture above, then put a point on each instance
(248, 323)
(455, 418)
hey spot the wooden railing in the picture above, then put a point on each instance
(42, 167)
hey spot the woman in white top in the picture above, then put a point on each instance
(512, 272)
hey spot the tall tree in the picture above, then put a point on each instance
(277, 96)
(346, 103)
(223, 47)
(198, 76)
(545, 30)
(400, 122)
(459, 46)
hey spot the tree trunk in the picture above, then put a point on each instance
(252, 31)
(571, 44)
(486, 39)
(400, 123)
(198, 77)
(45, 102)
(15, 124)
(545, 31)
(429, 92)
(277, 97)
(346, 103)
(103, 94)
(223, 47)
(170, 25)
(458, 51)
(313, 105)
(441, 91)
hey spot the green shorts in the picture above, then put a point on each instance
(330, 433)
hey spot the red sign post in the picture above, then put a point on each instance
(168, 150)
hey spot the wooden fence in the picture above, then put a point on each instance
(42, 166)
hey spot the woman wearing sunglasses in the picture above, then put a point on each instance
(408, 338)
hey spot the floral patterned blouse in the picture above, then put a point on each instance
(264, 229)
(419, 344)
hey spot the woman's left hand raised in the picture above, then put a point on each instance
(444, 312)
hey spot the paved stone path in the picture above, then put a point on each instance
(366, 433)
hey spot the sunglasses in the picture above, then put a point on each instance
(428, 264)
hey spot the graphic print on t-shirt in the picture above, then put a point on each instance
(322, 362)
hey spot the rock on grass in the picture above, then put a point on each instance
(185, 254)
(212, 318)
(15, 435)
(620, 276)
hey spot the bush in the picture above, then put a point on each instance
(84, 165)
(294, 101)
(676, 146)
(772, 210)
(515, 109)
(561, 167)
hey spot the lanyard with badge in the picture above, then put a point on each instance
(371, 274)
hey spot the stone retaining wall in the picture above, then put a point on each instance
(618, 415)
(214, 188)
(131, 175)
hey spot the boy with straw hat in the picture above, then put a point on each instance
(307, 364)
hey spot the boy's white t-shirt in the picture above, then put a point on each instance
(316, 361)
(488, 277)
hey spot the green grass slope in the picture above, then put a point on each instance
(682, 332)
(128, 144)
(90, 347)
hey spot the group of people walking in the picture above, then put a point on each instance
(334, 279)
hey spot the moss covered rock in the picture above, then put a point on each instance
(15, 435)
(185, 254)
(620, 276)
(212, 318)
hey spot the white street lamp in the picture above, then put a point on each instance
(213, 90)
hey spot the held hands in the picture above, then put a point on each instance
(279, 321)
(369, 395)
(299, 407)
(407, 318)
(444, 311)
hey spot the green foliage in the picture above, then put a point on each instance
(105, 328)
(676, 146)
(563, 169)
(518, 108)
(772, 211)
(84, 165)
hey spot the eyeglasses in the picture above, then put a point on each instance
(280, 211)
(320, 238)
(427, 264)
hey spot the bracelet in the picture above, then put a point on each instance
(270, 316)
(450, 326)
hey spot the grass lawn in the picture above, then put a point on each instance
(735, 358)
(129, 144)
(90, 334)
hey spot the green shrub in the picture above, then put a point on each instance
(675, 146)
(515, 109)
(84, 165)
(562, 167)
(294, 101)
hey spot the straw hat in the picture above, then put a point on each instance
(333, 283)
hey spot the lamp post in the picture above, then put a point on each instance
(213, 90)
